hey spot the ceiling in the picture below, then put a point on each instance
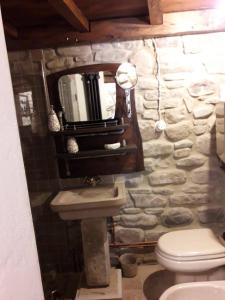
(48, 23)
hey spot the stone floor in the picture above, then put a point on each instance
(151, 281)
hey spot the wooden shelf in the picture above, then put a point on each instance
(93, 131)
(98, 153)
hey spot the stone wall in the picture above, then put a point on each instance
(183, 186)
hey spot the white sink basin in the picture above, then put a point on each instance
(90, 202)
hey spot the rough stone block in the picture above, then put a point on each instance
(144, 61)
(154, 235)
(147, 83)
(82, 52)
(132, 210)
(194, 188)
(134, 181)
(147, 129)
(154, 211)
(128, 45)
(151, 104)
(49, 54)
(200, 129)
(145, 198)
(60, 63)
(153, 95)
(175, 84)
(129, 235)
(174, 115)
(139, 220)
(157, 148)
(202, 88)
(188, 200)
(162, 190)
(151, 114)
(169, 103)
(180, 153)
(194, 160)
(117, 55)
(183, 144)
(203, 111)
(164, 177)
(177, 217)
(178, 131)
(175, 76)
(206, 144)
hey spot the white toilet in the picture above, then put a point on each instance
(194, 255)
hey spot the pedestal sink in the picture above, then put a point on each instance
(92, 205)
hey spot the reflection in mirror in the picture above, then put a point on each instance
(126, 77)
(88, 96)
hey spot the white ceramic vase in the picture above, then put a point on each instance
(53, 121)
(72, 146)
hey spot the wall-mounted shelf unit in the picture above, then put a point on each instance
(92, 154)
(76, 131)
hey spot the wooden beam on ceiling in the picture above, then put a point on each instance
(128, 28)
(10, 30)
(169, 6)
(71, 12)
(155, 13)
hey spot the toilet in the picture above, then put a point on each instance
(193, 255)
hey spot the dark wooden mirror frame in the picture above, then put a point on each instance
(92, 159)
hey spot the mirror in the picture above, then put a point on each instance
(126, 77)
(88, 96)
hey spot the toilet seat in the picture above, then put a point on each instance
(195, 250)
(190, 258)
(191, 243)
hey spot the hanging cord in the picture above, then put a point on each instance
(157, 75)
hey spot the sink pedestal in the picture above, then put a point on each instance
(96, 251)
(111, 292)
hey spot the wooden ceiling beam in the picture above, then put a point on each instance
(71, 12)
(155, 12)
(169, 6)
(10, 30)
(129, 28)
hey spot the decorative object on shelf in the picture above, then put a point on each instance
(72, 146)
(53, 122)
(126, 78)
(112, 146)
(60, 116)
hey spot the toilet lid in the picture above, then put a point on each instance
(191, 243)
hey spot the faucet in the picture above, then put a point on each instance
(92, 181)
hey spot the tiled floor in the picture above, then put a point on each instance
(151, 281)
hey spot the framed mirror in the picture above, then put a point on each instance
(89, 96)
(92, 135)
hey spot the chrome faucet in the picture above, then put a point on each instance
(93, 181)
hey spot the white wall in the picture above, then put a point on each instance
(19, 267)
